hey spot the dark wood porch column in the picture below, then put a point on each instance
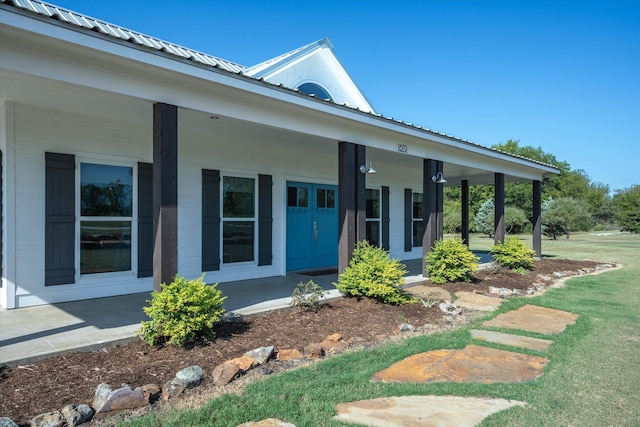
(165, 193)
(499, 208)
(439, 204)
(537, 218)
(351, 201)
(464, 189)
(429, 209)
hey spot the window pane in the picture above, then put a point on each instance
(292, 197)
(373, 232)
(105, 190)
(331, 199)
(417, 205)
(303, 197)
(373, 204)
(321, 200)
(237, 241)
(238, 197)
(105, 246)
(418, 232)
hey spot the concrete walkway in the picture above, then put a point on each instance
(34, 333)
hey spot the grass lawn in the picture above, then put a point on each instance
(593, 378)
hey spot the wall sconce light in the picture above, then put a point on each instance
(364, 169)
(438, 178)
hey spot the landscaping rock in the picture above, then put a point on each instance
(7, 422)
(314, 351)
(76, 415)
(473, 364)
(405, 327)
(244, 362)
(289, 354)
(48, 419)
(500, 291)
(449, 308)
(478, 302)
(107, 401)
(429, 292)
(153, 390)
(189, 377)
(443, 411)
(333, 344)
(533, 318)
(509, 339)
(269, 422)
(171, 390)
(261, 355)
(224, 373)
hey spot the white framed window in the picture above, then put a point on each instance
(105, 224)
(238, 219)
(418, 226)
(373, 211)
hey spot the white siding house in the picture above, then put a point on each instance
(127, 159)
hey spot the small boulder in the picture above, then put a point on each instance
(333, 344)
(189, 377)
(261, 355)
(7, 422)
(107, 401)
(153, 390)
(500, 291)
(405, 327)
(289, 354)
(224, 373)
(244, 362)
(48, 419)
(314, 351)
(76, 415)
(171, 390)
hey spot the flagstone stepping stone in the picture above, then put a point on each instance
(440, 411)
(478, 302)
(533, 318)
(509, 339)
(429, 292)
(472, 364)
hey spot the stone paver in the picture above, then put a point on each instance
(429, 292)
(269, 422)
(473, 364)
(534, 319)
(408, 411)
(510, 339)
(479, 302)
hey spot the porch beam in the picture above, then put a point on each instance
(499, 208)
(464, 189)
(537, 218)
(429, 209)
(351, 200)
(165, 193)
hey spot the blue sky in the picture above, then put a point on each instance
(561, 75)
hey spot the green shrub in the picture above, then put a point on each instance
(513, 254)
(182, 312)
(451, 261)
(372, 273)
(306, 296)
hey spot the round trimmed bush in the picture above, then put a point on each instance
(182, 312)
(451, 261)
(513, 254)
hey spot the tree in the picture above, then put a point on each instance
(563, 216)
(627, 207)
(484, 219)
(514, 219)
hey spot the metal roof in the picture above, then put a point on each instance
(51, 11)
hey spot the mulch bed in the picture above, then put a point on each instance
(27, 391)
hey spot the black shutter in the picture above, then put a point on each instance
(59, 264)
(145, 220)
(210, 220)
(408, 220)
(265, 219)
(385, 218)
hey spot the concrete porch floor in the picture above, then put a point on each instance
(34, 333)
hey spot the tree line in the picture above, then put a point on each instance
(571, 201)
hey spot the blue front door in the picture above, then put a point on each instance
(312, 226)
